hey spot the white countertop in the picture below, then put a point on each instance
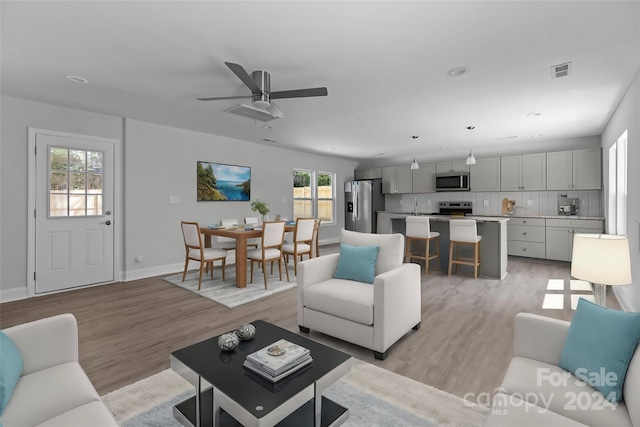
(498, 217)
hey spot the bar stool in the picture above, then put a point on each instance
(464, 232)
(418, 229)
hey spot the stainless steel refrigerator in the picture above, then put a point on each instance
(363, 199)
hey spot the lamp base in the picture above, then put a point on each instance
(600, 294)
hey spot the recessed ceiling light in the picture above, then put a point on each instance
(507, 137)
(379, 154)
(444, 147)
(77, 79)
(414, 136)
(534, 114)
(537, 135)
(458, 71)
(266, 127)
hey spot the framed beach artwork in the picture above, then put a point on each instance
(220, 182)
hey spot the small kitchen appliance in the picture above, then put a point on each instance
(568, 206)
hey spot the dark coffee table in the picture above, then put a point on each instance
(227, 394)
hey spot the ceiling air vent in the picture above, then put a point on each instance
(251, 112)
(561, 70)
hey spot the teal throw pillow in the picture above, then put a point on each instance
(10, 369)
(357, 263)
(600, 345)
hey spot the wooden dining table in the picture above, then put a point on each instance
(241, 236)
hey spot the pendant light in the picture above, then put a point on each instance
(471, 160)
(414, 164)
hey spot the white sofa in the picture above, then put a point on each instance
(53, 390)
(373, 316)
(536, 392)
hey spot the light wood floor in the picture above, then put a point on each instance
(127, 330)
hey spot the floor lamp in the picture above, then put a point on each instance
(602, 259)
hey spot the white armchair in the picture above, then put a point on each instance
(345, 309)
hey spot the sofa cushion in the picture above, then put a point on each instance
(391, 253)
(357, 263)
(342, 298)
(551, 387)
(600, 345)
(10, 369)
(510, 411)
(93, 414)
(46, 394)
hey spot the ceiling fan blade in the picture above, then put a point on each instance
(244, 76)
(299, 93)
(217, 98)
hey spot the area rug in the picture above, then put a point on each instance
(374, 396)
(226, 293)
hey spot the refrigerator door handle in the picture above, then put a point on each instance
(355, 201)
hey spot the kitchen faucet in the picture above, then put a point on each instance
(415, 205)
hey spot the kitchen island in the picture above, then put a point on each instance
(493, 247)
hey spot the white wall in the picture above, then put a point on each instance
(16, 116)
(627, 117)
(160, 162)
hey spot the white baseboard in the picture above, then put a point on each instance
(13, 294)
(143, 273)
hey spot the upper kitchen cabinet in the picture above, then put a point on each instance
(575, 170)
(525, 172)
(454, 166)
(424, 178)
(397, 179)
(370, 173)
(485, 175)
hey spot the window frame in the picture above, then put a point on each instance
(314, 199)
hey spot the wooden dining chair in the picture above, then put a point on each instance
(302, 242)
(271, 249)
(316, 235)
(196, 251)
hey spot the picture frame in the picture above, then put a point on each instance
(218, 182)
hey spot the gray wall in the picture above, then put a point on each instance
(160, 162)
(157, 162)
(626, 117)
(16, 116)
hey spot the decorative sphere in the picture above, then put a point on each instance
(246, 331)
(228, 342)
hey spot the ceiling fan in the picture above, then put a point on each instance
(260, 84)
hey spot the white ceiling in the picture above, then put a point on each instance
(384, 63)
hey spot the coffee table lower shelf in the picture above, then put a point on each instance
(333, 414)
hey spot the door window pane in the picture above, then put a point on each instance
(75, 182)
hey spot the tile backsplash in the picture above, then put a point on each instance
(490, 203)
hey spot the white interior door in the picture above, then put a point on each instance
(74, 195)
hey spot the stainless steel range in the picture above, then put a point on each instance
(455, 208)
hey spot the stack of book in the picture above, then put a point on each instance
(278, 360)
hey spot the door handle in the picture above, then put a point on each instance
(108, 222)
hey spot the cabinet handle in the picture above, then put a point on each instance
(524, 250)
(524, 234)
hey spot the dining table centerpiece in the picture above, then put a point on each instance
(262, 208)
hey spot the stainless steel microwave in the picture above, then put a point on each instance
(456, 181)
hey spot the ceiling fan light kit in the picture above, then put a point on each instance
(259, 82)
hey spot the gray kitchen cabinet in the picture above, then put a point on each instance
(424, 180)
(397, 179)
(574, 169)
(526, 237)
(485, 175)
(524, 172)
(453, 166)
(559, 235)
(368, 173)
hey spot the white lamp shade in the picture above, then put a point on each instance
(471, 160)
(601, 258)
(414, 164)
